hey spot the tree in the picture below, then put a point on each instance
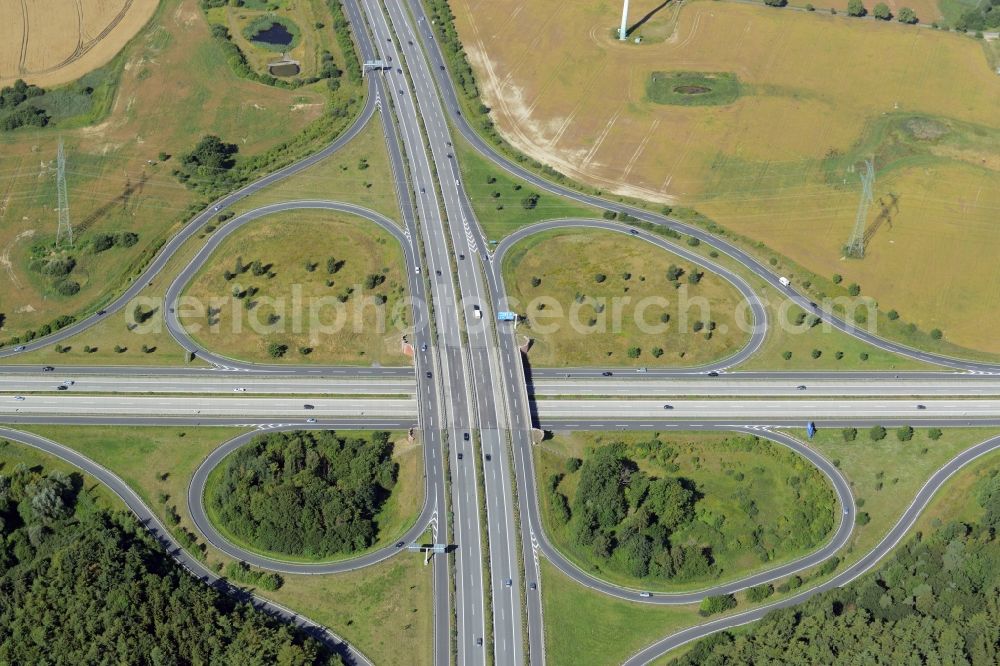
(276, 350)
(936, 334)
(600, 277)
(816, 353)
(907, 15)
(934, 433)
(573, 464)
(881, 12)
(210, 156)
(758, 593)
(837, 277)
(529, 202)
(892, 315)
(674, 273)
(634, 352)
(775, 3)
(855, 8)
(876, 433)
(904, 433)
(854, 288)
(850, 434)
(787, 355)
(657, 352)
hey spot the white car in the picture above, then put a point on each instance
(68, 382)
(310, 420)
(417, 269)
(18, 397)
(239, 389)
(20, 348)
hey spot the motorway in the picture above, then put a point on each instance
(470, 379)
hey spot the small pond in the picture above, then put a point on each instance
(277, 35)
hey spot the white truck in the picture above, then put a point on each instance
(476, 312)
(784, 281)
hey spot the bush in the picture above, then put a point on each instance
(573, 464)
(907, 15)
(863, 356)
(862, 518)
(277, 350)
(892, 315)
(905, 433)
(535, 281)
(610, 215)
(600, 277)
(934, 433)
(758, 593)
(529, 202)
(854, 289)
(716, 604)
(67, 287)
(937, 334)
(242, 573)
(856, 8)
(816, 353)
(693, 242)
(837, 278)
(634, 352)
(876, 433)
(787, 355)
(657, 352)
(850, 434)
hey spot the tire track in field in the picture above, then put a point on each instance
(583, 97)
(82, 47)
(24, 38)
(639, 150)
(589, 157)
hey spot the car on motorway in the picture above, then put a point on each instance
(308, 407)
(68, 382)
(423, 347)
(239, 389)
(460, 456)
(607, 373)
(428, 374)
(47, 368)
(713, 374)
(465, 436)
(668, 406)
(399, 544)
(479, 641)
(461, 257)
(423, 191)
(533, 585)
(476, 312)
(634, 232)
(18, 397)
(800, 387)
(62, 387)
(310, 420)
(488, 457)
(101, 312)
(417, 270)
(645, 595)
(438, 272)
(20, 348)
(641, 370)
(216, 209)
(509, 582)
(921, 406)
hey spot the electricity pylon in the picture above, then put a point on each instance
(65, 229)
(856, 246)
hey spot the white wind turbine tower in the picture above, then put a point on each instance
(623, 31)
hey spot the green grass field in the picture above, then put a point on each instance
(590, 310)
(692, 88)
(746, 513)
(886, 475)
(397, 515)
(358, 173)
(296, 301)
(497, 197)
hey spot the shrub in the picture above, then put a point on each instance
(892, 315)
(863, 356)
(787, 355)
(934, 433)
(816, 353)
(276, 350)
(698, 326)
(809, 7)
(856, 8)
(838, 355)
(716, 604)
(850, 434)
(758, 593)
(610, 215)
(600, 277)
(862, 518)
(529, 202)
(657, 352)
(634, 352)
(881, 12)
(854, 289)
(876, 433)
(837, 278)
(573, 464)
(907, 15)
(693, 242)
(937, 334)
(905, 433)
(67, 287)
(535, 281)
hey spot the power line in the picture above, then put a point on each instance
(65, 230)
(856, 246)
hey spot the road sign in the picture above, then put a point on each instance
(506, 316)
(810, 429)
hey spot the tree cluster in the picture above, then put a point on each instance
(985, 16)
(83, 586)
(306, 493)
(936, 601)
(208, 164)
(15, 109)
(624, 515)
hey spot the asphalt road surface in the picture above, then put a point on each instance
(195, 383)
(726, 386)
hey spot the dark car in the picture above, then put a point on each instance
(479, 641)
(308, 407)
(713, 374)
(438, 272)
(465, 436)
(399, 544)
(100, 312)
(800, 387)
(461, 257)
(668, 406)
(428, 374)
(62, 387)
(533, 586)
(634, 232)
(460, 456)
(488, 457)
(607, 373)
(921, 406)
(47, 368)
